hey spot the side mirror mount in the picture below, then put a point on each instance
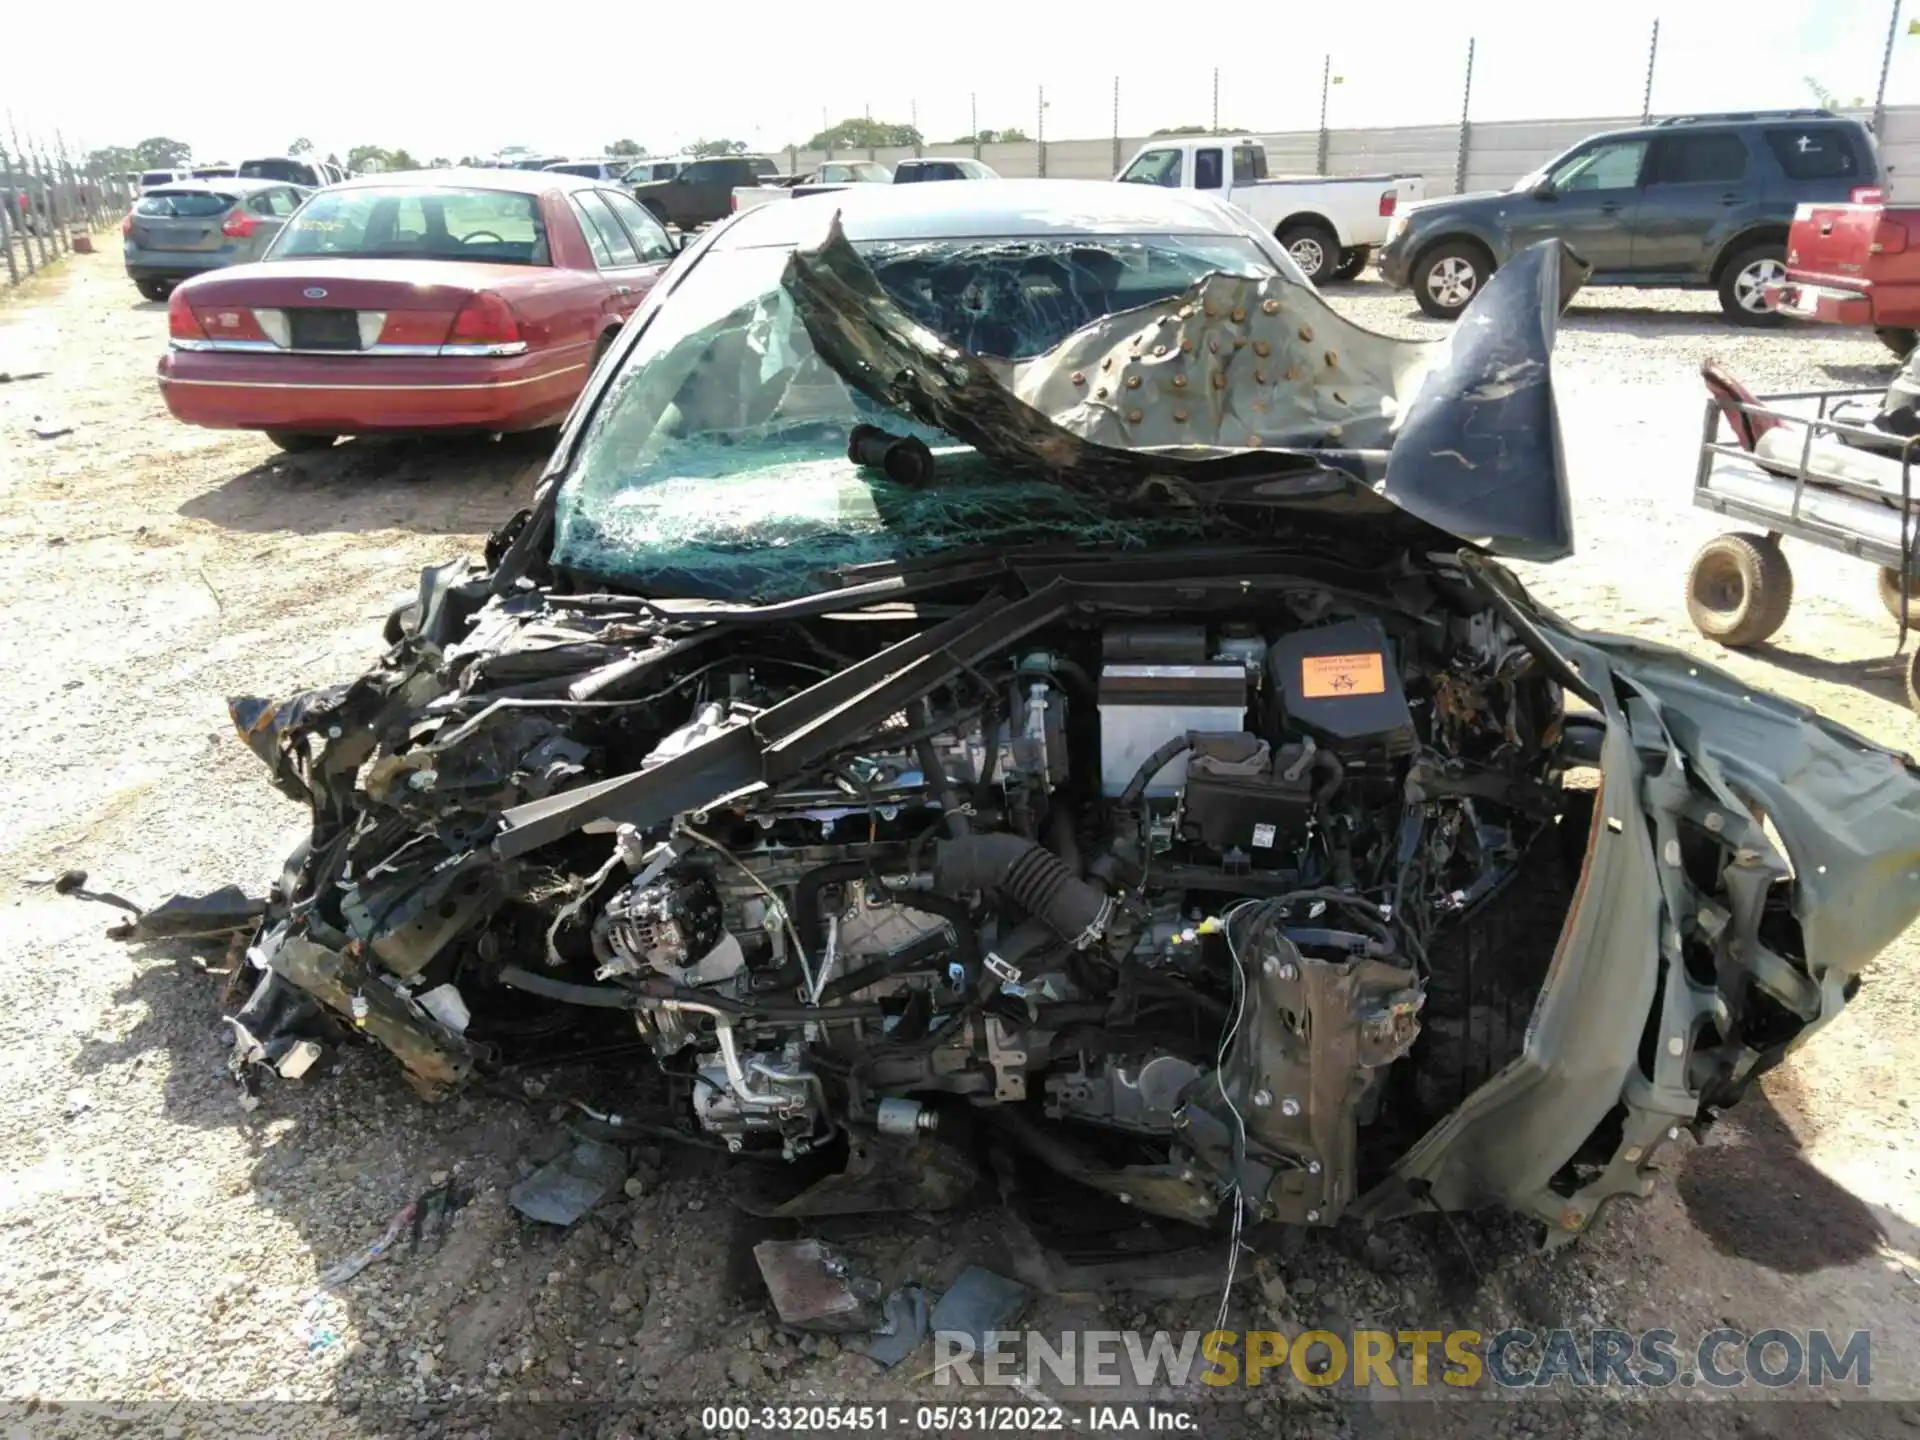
(1545, 191)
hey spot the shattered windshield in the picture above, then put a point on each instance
(717, 465)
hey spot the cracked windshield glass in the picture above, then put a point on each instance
(717, 466)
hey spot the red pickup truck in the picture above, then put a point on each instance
(1854, 265)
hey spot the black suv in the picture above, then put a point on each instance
(1696, 202)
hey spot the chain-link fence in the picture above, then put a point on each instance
(47, 197)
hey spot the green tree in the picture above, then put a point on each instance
(302, 146)
(160, 153)
(860, 133)
(625, 147)
(110, 160)
(1014, 136)
(717, 147)
(377, 160)
(439, 162)
(473, 162)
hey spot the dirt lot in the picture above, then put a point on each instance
(161, 1243)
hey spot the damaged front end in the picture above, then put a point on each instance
(1228, 835)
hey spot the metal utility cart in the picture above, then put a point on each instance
(1815, 474)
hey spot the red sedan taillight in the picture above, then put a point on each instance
(485, 319)
(239, 225)
(126, 223)
(182, 323)
(1867, 195)
(1389, 201)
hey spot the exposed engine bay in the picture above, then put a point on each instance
(1174, 890)
(1239, 840)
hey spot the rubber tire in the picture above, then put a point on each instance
(1352, 262)
(1899, 339)
(1329, 244)
(1913, 679)
(295, 443)
(1765, 590)
(1888, 584)
(1448, 250)
(154, 289)
(1735, 312)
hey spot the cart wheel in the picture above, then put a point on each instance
(1890, 593)
(1739, 590)
(1913, 679)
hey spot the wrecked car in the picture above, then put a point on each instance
(1010, 660)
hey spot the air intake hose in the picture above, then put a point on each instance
(1025, 874)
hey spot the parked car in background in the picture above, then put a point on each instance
(608, 170)
(702, 191)
(219, 170)
(421, 301)
(1854, 265)
(1329, 226)
(1693, 202)
(941, 167)
(151, 178)
(651, 169)
(176, 231)
(834, 175)
(531, 162)
(313, 174)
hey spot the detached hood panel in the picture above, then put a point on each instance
(1243, 378)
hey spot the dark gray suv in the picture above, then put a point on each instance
(1696, 202)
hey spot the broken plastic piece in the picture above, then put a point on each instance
(560, 1192)
(900, 1334)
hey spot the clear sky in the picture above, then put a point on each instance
(444, 79)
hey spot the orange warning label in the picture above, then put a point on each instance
(1324, 677)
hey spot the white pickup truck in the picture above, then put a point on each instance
(834, 175)
(1329, 225)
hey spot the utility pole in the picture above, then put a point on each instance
(1466, 102)
(913, 118)
(1116, 125)
(1326, 81)
(1886, 64)
(1646, 98)
(1040, 128)
(870, 130)
(826, 132)
(1216, 100)
(973, 119)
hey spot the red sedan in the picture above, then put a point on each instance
(450, 300)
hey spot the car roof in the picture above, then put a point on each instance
(986, 207)
(225, 185)
(526, 182)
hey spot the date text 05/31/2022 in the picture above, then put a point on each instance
(941, 1418)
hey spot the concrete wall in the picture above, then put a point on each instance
(1498, 153)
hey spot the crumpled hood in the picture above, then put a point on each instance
(1243, 377)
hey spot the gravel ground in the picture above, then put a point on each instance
(162, 1244)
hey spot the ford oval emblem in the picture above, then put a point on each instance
(314, 292)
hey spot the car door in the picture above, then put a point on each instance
(704, 191)
(613, 252)
(652, 249)
(1700, 186)
(1207, 168)
(1589, 200)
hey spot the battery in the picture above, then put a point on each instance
(1340, 683)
